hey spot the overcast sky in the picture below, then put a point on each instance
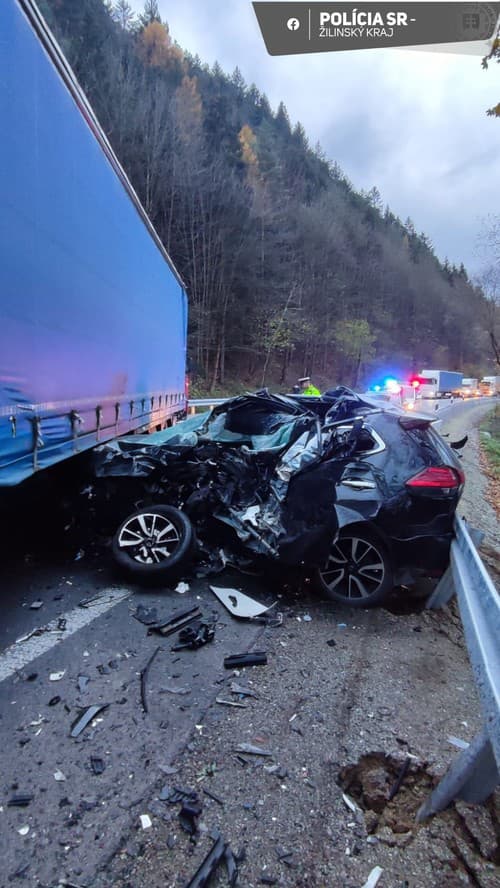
(412, 123)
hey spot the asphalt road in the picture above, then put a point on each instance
(93, 655)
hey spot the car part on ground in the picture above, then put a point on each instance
(289, 478)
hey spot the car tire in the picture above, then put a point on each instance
(358, 571)
(154, 543)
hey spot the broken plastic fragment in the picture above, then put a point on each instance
(456, 741)
(24, 830)
(255, 658)
(59, 776)
(56, 676)
(238, 604)
(145, 821)
(86, 717)
(181, 588)
(36, 605)
(230, 703)
(350, 804)
(21, 800)
(97, 765)
(209, 864)
(250, 749)
(374, 877)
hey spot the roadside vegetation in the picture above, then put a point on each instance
(290, 270)
(489, 435)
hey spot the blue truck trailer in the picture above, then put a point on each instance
(93, 314)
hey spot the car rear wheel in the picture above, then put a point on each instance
(358, 571)
(153, 543)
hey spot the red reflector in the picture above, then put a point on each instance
(436, 476)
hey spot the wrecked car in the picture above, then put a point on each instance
(360, 495)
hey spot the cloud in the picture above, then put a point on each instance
(411, 123)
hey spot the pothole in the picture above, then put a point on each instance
(390, 790)
(389, 787)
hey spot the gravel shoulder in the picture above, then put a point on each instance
(346, 702)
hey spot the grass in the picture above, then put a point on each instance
(490, 440)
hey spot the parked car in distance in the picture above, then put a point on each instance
(357, 492)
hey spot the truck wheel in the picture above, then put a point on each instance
(358, 571)
(153, 543)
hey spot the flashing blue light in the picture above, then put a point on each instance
(376, 388)
(390, 381)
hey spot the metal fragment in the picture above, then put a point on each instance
(86, 717)
(238, 604)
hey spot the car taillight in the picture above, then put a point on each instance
(443, 477)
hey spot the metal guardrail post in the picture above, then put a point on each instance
(207, 403)
(475, 772)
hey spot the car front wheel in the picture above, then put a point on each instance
(153, 543)
(358, 571)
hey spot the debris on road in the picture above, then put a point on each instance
(374, 877)
(176, 622)
(182, 588)
(209, 865)
(189, 814)
(24, 830)
(20, 800)
(56, 676)
(255, 658)
(251, 749)
(85, 718)
(399, 779)
(146, 615)
(97, 765)
(195, 636)
(82, 682)
(211, 795)
(145, 820)
(242, 691)
(59, 776)
(230, 703)
(36, 605)
(54, 700)
(458, 742)
(144, 678)
(238, 604)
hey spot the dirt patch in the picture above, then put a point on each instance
(390, 790)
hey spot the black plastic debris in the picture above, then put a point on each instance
(255, 658)
(242, 691)
(188, 816)
(331, 642)
(144, 678)
(54, 701)
(20, 800)
(61, 624)
(97, 765)
(176, 622)
(209, 865)
(399, 779)
(195, 636)
(211, 795)
(232, 869)
(268, 879)
(146, 615)
(103, 670)
(85, 718)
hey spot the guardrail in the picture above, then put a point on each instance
(206, 403)
(476, 771)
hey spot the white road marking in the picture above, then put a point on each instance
(19, 654)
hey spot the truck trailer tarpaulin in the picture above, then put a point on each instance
(93, 314)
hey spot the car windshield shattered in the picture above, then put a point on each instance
(337, 483)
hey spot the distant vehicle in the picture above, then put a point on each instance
(93, 314)
(437, 383)
(356, 491)
(490, 385)
(470, 387)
